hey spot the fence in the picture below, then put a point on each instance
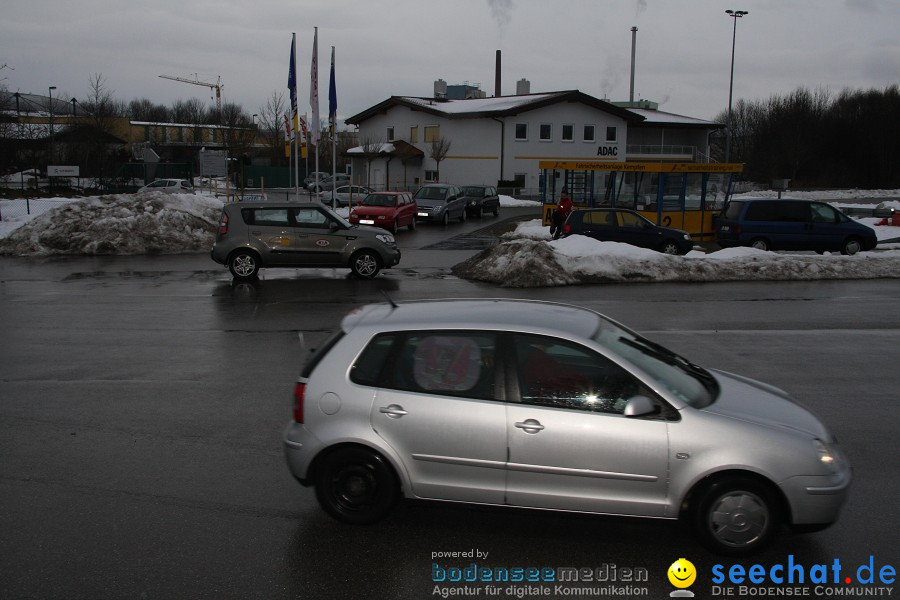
(20, 208)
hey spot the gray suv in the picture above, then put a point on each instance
(550, 406)
(288, 234)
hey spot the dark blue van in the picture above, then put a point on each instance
(769, 224)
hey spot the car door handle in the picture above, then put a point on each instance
(394, 411)
(530, 426)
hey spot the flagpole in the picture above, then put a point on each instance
(314, 95)
(332, 117)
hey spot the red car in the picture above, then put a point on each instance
(391, 210)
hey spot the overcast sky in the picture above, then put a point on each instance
(400, 47)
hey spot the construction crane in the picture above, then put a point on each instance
(217, 86)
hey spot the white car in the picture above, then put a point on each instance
(345, 195)
(169, 186)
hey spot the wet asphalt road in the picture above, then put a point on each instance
(142, 402)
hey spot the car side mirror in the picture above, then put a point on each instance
(333, 226)
(639, 406)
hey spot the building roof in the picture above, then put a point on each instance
(492, 107)
(655, 118)
(398, 148)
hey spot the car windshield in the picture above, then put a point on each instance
(378, 200)
(474, 191)
(686, 381)
(431, 193)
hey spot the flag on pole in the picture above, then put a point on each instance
(332, 98)
(288, 135)
(292, 82)
(314, 91)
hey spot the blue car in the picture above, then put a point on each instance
(769, 224)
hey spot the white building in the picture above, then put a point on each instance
(504, 138)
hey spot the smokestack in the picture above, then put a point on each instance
(497, 93)
(633, 47)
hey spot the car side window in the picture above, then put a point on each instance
(447, 363)
(275, 217)
(310, 217)
(822, 213)
(630, 220)
(560, 374)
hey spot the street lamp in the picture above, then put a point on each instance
(735, 15)
(50, 90)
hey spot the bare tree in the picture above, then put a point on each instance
(372, 147)
(143, 109)
(438, 152)
(271, 125)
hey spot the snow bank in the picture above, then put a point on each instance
(529, 259)
(152, 223)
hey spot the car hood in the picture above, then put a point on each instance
(750, 400)
(427, 203)
(374, 210)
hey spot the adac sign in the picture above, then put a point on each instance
(608, 151)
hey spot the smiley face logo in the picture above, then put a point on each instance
(682, 573)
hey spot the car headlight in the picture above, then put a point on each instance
(385, 237)
(827, 456)
(687, 236)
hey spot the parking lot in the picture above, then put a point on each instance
(143, 401)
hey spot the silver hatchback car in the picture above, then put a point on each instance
(550, 406)
(287, 234)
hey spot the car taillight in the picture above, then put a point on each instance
(567, 229)
(299, 394)
(223, 225)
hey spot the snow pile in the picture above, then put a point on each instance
(152, 223)
(529, 259)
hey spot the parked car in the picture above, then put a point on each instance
(770, 224)
(287, 234)
(328, 183)
(169, 186)
(391, 210)
(481, 199)
(627, 227)
(315, 176)
(440, 202)
(345, 195)
(550, 406)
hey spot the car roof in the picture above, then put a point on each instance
(482, 314)
(386, 193)
(313, 203)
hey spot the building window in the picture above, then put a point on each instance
(546, 132)
(611, 134)
(413, 134)
(431, 176)
(432, 133)
(522, 132)
(589, 133)
(568, 133)
(390, 134)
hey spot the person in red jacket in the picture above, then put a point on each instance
(561, 214)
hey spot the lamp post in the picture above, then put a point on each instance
(735, 15)
(50, 90)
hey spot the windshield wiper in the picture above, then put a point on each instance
(670, 358)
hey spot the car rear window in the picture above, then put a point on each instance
(733, 210)
(319, 353)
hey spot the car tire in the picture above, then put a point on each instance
(760, 244)
(736, 516)
(479, 212)
(365, 264)
(356, 485)
(412, 224)
(851, 246)
(244, 264)
(446, 219)
(497, 210)
(463, 215)
(670, 247)
(395, 227)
